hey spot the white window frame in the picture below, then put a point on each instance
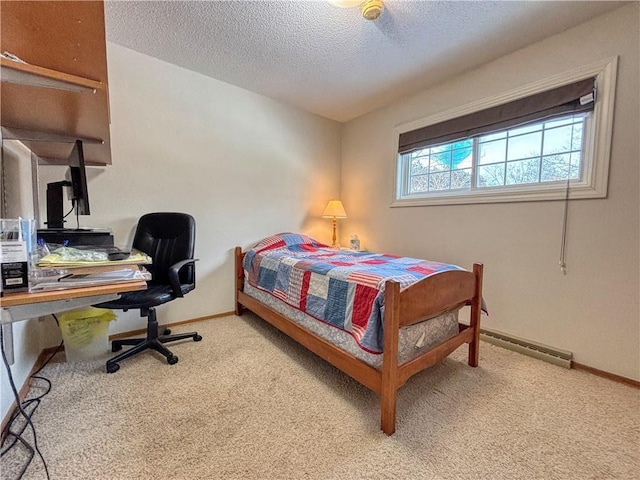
(595, 155)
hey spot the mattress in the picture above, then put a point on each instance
(413, 340)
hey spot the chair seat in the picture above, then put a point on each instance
(154, 295)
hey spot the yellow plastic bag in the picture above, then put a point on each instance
(84, 332)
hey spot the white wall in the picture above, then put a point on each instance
(593, 311)
(243, 165)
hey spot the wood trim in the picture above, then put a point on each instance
(610, 376)
(133, 333)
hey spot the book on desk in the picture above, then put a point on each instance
(67, 267)
(65, 278)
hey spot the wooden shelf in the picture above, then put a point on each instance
(61, 93)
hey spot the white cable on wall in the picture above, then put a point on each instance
(563, 244)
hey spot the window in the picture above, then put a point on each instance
(537, 153)
(527, 148)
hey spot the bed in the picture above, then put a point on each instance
(379, 318)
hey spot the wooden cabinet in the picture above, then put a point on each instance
(61, 93)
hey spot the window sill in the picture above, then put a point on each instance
(503, 196)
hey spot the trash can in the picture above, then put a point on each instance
(85, 332)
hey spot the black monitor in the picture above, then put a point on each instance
(78, 184)
(79, 179)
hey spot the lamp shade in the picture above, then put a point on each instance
(334, 209)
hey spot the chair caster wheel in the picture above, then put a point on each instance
(112, 367)
(197, 338)
(115, 348)
(166, 331)
(172, 359)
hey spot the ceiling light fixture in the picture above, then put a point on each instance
(370, 9)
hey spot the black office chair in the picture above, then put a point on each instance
(169, 239)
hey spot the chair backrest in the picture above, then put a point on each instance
(167, 237)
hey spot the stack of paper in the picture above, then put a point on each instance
(60, 279)
(71, 257)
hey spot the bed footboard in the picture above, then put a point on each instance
(433, 296)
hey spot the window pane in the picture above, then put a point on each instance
(441, 161)
(493, 152)
(559, 123)
(418, 184)
(491, 175)
(439, 181)
(525, 146)
(575, 168)
(557, 140)
(493, 136)
(461, 178)
(576, 136)
(555, 167)
(523, 171)
(419, 165)
(526, 129)
(461, 152)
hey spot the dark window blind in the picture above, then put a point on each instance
(563, 100)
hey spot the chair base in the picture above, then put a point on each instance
(152, 341)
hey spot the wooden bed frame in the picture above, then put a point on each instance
(426, 299)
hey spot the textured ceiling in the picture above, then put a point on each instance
(329, 60)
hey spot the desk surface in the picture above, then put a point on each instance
(24, 298)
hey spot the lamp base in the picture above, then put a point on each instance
(334, 222)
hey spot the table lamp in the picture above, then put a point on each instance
(334, 210)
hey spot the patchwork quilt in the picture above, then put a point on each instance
(342, 288)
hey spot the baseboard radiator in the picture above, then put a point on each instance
(562, 358)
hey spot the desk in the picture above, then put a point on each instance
(23, 306)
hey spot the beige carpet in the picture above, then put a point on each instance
(249, 403)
